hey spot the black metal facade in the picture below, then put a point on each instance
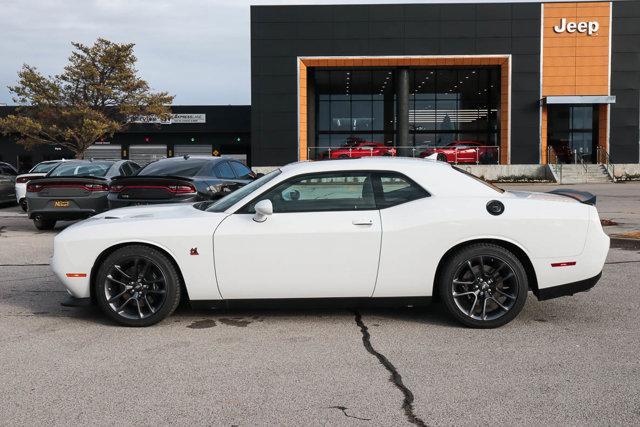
(280, 34)
(625, 82)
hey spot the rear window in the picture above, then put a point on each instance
(186, 168)
(81, 169)
(43, 167)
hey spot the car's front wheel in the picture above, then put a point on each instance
(483, 285)
(137, 286)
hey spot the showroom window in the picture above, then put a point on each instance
(449, 105)
(354, 107)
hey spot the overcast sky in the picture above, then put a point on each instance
(197, 50)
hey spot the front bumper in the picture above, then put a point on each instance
(567, 289)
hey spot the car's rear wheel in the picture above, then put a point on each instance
(23, 204)
(441, 157)
(44, 223)
(137, 286)
(483, 285)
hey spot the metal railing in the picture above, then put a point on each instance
(484, 154)
(603, 158)
(552, 161)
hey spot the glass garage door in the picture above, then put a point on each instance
(192, 150)
(143, 154)
(103, 152)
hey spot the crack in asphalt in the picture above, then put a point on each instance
(395, 378)
(344, 411)
(621, 262)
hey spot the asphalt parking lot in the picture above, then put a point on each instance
(572, 360)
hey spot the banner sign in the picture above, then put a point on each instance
(175, 118)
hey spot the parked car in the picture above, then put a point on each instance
(315, 230)
(464, 152)
(37, 171)
(359, 149)
(75, 189)
(180, 179)
(7, 182)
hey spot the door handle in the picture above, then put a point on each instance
(362, 222)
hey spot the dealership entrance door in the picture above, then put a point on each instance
(572, 132)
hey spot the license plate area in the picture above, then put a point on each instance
(60, 203)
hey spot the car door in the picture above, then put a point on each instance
(7, 183)
(322, 240)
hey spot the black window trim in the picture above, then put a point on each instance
(375, 182)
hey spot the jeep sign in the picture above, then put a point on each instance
(590, 27)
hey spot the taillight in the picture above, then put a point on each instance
(116, 188)
(34, 188)
(182, 189)
(97, 187)
(23, 179)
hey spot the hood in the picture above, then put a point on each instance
(163, 211)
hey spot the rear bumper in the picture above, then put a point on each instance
(79, 207)
(567, 289)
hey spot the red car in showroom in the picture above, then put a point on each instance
(357, 149)
(464, 152)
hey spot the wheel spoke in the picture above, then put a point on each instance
(116, 297)
(152, 282)
(119, 270)
(505, 294)
(156, 291)
(119, 309)
(461, 294)
(145, 269)
(484, 309)
(499, 304)
(482, 273)
(139, 308)
(471, 268)
(146, 300)
(110, 277)
(461, 282)
(473, 306)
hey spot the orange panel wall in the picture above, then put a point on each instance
(575, 63)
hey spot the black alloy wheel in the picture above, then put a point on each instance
(137, 286)
(42, 223)
(484, 285)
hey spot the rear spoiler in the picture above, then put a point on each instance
(143, 177)
(580, 196)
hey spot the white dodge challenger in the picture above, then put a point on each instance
(358, 228)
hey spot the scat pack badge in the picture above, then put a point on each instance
(193, 251)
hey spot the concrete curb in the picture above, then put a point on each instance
(624, 243)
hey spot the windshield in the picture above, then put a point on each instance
(233, 198)
(187, 168)
(81, 169)
(43, 167)
(488, 184)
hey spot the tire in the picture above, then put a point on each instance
(23, 205)
(486, 300)
(131, 300)
(43, 223)
(343, 156)
(441, 157)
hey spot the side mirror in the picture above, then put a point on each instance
(264, 209)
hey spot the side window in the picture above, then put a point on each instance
(125, 169)
(134, 168)
(340, 191)
(223, 171)
(6, 170)
(242, 172)
(397, 189)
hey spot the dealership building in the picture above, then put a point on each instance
(532, 82)
(524, 83)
